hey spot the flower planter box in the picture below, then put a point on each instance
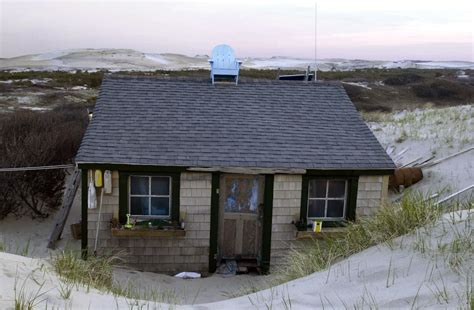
(148, 232)
(326, 232)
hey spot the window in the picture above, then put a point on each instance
(327, 199)
(150, 196)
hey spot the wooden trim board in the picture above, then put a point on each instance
(327, 232)
(148, 232)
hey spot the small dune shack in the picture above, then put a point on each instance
(204, 173)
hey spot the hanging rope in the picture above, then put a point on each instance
(37, 168)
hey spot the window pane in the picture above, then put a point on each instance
(337, 189)
(139, 205)
(160, 186)
(241, 195)
(139, 185)
(160, 206)
(316, 208)
(335, 208)
(317, 188)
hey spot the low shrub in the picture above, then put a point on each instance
(60, 78)
(363, 99)
(354, 92)
(403, 79)
(372, 107)
(444, 89)
(29, 139)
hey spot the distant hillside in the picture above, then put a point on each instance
(128, 60)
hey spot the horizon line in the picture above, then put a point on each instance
(242, 57)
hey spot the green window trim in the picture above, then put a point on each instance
(351, 202)
(124, 177)
(84, 213)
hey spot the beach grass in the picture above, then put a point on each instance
(390, 221)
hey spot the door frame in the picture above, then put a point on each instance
(266, 236)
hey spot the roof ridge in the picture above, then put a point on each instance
(200, 80)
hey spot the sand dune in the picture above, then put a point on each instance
(396, 276)
(127, 60)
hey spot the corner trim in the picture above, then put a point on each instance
(84, 210)
(352, 198)
(304, 199)
(214, 222)
(267, 223)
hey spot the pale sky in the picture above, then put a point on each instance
(354, 29)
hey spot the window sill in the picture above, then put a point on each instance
(326, 232)
(148, 232)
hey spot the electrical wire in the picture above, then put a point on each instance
(15, 169)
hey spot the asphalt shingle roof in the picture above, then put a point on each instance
(264, 124)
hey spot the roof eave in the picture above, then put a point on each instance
(252, 170)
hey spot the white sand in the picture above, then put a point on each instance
(30, 237)
(433, 132)
(217, 287)
(398, 277)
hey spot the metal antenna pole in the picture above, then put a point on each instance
(315, 40)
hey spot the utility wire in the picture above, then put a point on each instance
(37, 168)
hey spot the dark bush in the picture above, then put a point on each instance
(402, 79)
(444, 89)
(60, 78)
(363, 99)
(29, 139)
(354, 92)
(370, 107)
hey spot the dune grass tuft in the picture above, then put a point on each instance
(95, 272)
(389, 222)
(25, 300)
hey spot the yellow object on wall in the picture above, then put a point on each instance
(317, 226)
(98, 178)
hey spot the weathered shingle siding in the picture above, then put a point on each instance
(286, 209)
(267, 124)
(161, 254)
(371, 194)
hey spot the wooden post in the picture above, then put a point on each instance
(66, 208)
(267, 223)
(214, 222)
(84, 212)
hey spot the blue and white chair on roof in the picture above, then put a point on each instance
(223, 63)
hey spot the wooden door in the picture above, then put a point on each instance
(240, 214)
